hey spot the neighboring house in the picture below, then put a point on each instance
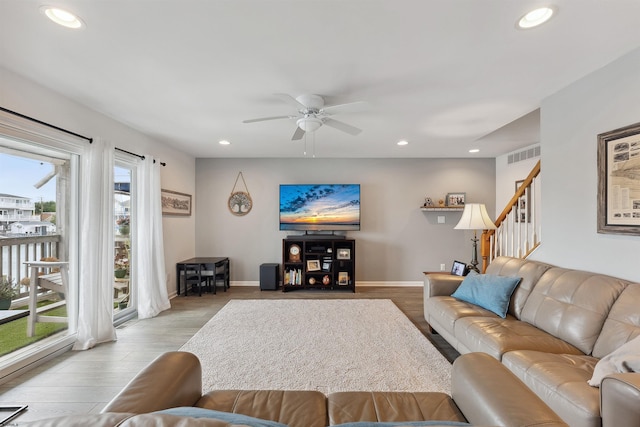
(32, 227)
(16, 208)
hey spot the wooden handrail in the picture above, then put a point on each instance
(519, 193)
(487, 235)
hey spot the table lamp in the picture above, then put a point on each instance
(475, 217)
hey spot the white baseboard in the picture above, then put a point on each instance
(358, 283)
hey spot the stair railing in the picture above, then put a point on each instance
(518, 231)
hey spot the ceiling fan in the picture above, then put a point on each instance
(312, 113)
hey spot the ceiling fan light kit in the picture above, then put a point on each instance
(313, 113)
(309, 123)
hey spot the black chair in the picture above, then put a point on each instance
(193, 277)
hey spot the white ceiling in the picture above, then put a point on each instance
(446, 75)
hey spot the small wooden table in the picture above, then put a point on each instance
(210, 263)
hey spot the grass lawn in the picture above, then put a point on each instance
(13, 335)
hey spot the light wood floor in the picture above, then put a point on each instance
(84, 381)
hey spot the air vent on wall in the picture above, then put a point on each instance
(529, 153)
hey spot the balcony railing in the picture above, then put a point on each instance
(14, 251)
(21, 217)
(518, 230)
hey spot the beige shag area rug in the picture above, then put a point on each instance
(325, 345)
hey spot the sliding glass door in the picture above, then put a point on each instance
(38, 222)
(124, 289)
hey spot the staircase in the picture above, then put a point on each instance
(518, 226)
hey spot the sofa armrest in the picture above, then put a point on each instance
(620, 400)
(440, 284)
(488, 393)
(172, 379)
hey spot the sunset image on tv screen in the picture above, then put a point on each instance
(320, 207)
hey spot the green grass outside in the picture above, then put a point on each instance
(13, 335)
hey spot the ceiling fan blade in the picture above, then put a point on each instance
(262, 119)
(298, 134)
(351, 107)
(351, 130)
(291, 101)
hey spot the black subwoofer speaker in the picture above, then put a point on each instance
(269, 277)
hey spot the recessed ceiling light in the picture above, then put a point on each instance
(474, 150)
(62, 17)
(403, 142)
(536, 17)
(224, 142)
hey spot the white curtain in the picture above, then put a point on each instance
(95, 293)
(149, 270)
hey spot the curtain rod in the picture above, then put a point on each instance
(141, 157)
(46, 124)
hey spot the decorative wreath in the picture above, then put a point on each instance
(240, 202)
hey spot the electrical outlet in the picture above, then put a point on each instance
(443, 267)
(441, 219)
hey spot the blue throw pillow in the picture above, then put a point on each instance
(400, 423)
(490, 292)
(194, 412)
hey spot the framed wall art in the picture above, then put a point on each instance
(523, 208)
(174, 203)
(619, 181)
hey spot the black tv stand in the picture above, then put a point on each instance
(309, 263)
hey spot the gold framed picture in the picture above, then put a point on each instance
(343, 278)
(313, 265)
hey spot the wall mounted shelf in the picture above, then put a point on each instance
(442, 209)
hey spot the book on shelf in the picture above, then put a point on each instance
(293, 277)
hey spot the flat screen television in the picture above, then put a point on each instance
(320, 207)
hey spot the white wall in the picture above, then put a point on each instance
(570, 122)
(28, 98)
(397, 241)
(507, 175)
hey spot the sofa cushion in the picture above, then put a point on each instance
(446, 310)
(403, 424)
(353, 406)
(530, 271)
(299, 408)
(488, 291)
(560, 380)
(624, 359)
(497, 336)
(622, 324)
(230, 417)
(572, 305)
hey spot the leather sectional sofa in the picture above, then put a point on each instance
(483, 392)
(559, 324)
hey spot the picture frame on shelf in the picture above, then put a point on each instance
(343, 278)
(313, 265)
(523, 207)
(175, 203)
(455, 199)
(618, 181)
(343, 253)
(459, 268)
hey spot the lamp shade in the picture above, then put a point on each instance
(475, 217)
